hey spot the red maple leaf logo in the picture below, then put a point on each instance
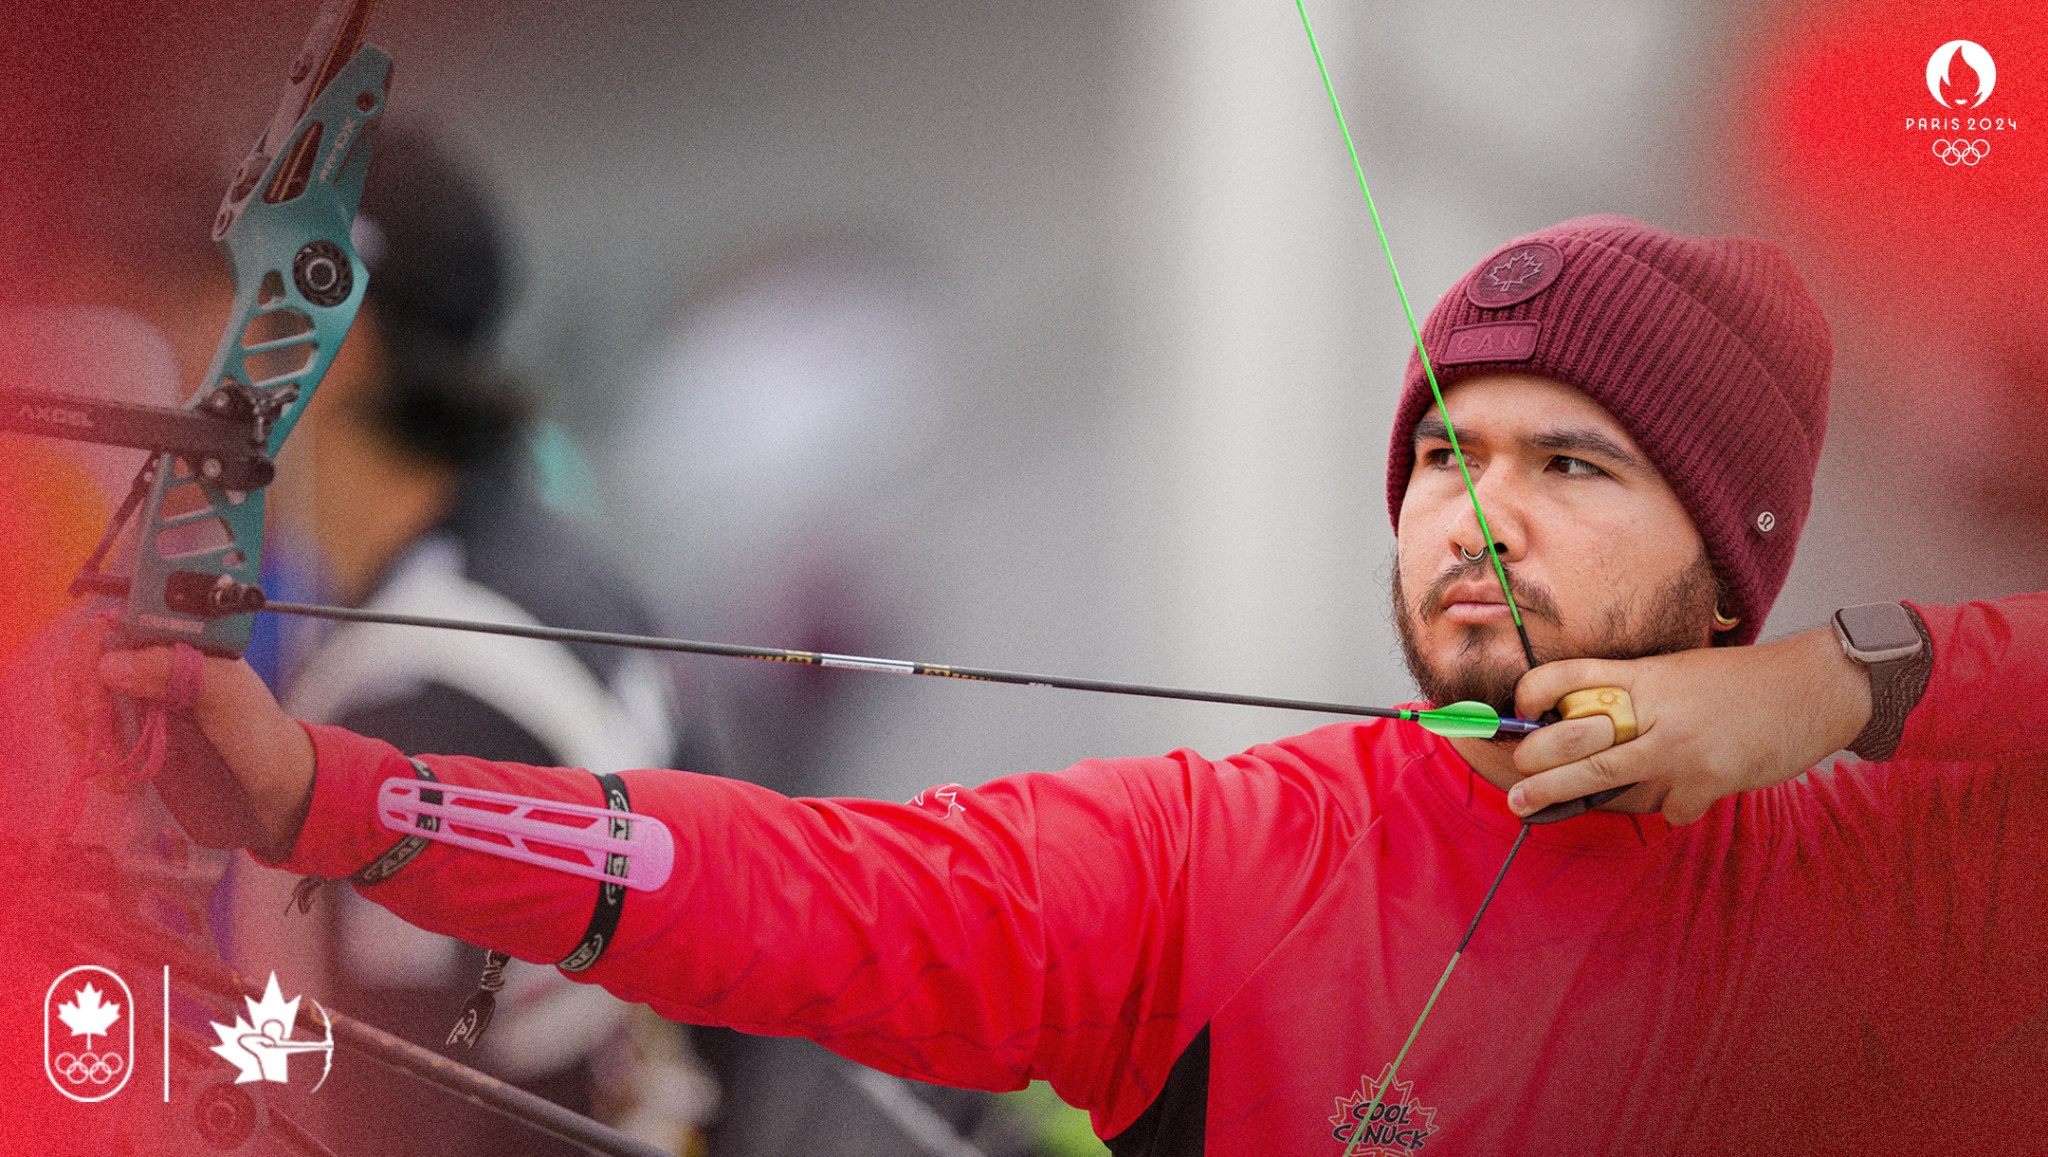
(1382, 1118)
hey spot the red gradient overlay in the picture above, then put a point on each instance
(51, 514)
(1931, 272)
(114, 112)
(101, 98)
(104, 99)
(1832, 87)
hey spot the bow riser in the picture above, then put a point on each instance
(297, 285)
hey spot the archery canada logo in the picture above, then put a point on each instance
(261, 1047)
(88, 1033)
(1382, 1118)
(1960, 77)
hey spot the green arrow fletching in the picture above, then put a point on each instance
(1462, 720)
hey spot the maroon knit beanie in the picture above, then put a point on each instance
(1708, 350)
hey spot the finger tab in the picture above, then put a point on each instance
(1613, 702)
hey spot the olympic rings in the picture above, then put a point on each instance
(90, 1067)
(1961, 152)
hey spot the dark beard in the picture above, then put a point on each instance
(1672, 618)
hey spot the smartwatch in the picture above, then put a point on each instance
(1892, 644)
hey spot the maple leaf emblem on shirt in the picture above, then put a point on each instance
(87, 1014)
(1514, 271)
(1382, 1118)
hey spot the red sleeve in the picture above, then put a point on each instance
(1940, 865)
(1990, 678)
(1079, 927)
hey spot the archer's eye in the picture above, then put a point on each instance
(1576, 467)
(1440, 458)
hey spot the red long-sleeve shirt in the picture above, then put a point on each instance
(1222, 956)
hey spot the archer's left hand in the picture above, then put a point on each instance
(1710, 722)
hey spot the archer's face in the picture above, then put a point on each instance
(1603, 559)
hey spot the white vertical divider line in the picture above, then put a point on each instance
(167, 1034)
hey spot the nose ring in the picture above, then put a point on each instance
(1469, 557)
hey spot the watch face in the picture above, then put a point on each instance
(1878, 627)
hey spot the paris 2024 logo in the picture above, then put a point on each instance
(1961, 75)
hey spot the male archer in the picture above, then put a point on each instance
(1224, 956)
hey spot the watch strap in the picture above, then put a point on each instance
(1896, 686)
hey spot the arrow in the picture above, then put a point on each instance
(1465, 720)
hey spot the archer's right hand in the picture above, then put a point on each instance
(269, 755)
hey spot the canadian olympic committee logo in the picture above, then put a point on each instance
(89, 1033)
